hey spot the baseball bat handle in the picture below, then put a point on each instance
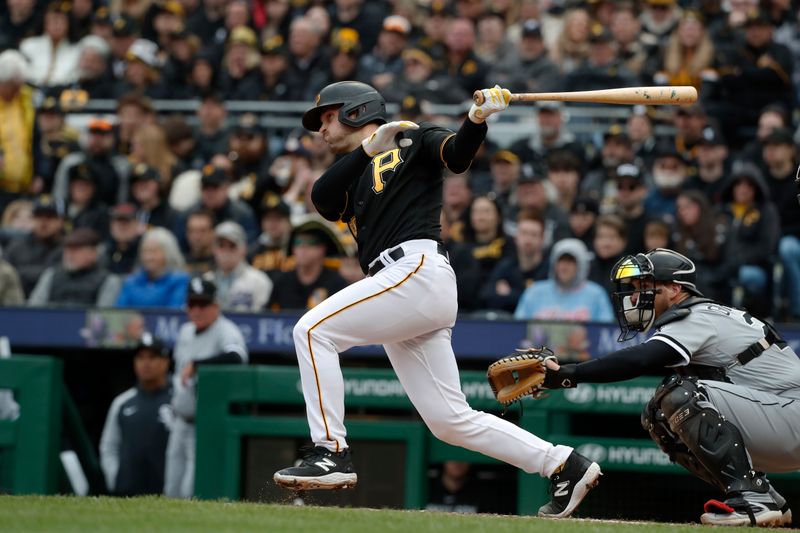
(677, 94)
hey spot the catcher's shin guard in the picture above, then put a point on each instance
(714, 441)
(655, 423)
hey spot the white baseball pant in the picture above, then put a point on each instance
(410, 307)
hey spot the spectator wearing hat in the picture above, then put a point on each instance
(134, 440)
(248, 149)
(532, 195)
(162, 21)
(567, 294)
(602, 68)
(108, 169)
(19, 21)
(383, 64)
(101, 24)
(181, 47)
(214, 196)
(460, 61)
(240, 287)
(757, 62)
(582, 217)
(271, 249)
(80, 279)
(273, 66)
(699, 234)
(659, 18)
(631, 193)
(305, 41)
(124, 31)
(713, 165)
(239, 77)
(753, 234)
(208, 338)
(688, 56)
(30, 254)
(551, 134)
(57, 140)
(152, 209)
(669, 174)
(84, 207)
(204, 73)
(505, 169)
(608, 246)
(512, 275)
(690, 121)
(122, 248)
(310, 281)
(600, 183)
(572, 45)
(199, 242)
(53, 58)
(422, 78)
(142, 73)
(19, 143)
(780, 166)
(528, 67)
(160, 280)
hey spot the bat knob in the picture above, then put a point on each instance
(478, 98)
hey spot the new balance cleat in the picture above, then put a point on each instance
(569, 485)
(320, 468)
(748, 509)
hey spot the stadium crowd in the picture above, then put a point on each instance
(120, 212)
(128, 209)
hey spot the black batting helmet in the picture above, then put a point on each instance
(659, 264)
(360, 104)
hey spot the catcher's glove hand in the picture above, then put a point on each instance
(519, 375)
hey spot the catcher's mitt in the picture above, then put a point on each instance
(519, 375)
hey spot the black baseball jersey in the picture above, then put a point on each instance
(395, 196)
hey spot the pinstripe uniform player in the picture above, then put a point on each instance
(387, 185)
(729, 409)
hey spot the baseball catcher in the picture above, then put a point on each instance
(729, 407)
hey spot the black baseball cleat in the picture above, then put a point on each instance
(569, 485)
(748, 509)
(320, 468)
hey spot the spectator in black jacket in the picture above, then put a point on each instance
(122, 249)
(240, 78)
(146, 193)
(85, 209)
(31, 254)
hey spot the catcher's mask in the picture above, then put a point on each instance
(659, 265)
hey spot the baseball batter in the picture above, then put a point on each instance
(388, 190)
(732, 410)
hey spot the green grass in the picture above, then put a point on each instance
(140, 515)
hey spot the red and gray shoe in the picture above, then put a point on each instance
(319, 468)
(748, 509)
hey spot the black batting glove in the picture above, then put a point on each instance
(563, 378)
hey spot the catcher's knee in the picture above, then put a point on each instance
(655, 423)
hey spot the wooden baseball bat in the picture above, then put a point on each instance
(679, 94)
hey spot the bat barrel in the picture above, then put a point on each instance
(669, 95)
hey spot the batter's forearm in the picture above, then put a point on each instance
(329, 193)
(460, 149)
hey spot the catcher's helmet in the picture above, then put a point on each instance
(660, 264)
(360, 104)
